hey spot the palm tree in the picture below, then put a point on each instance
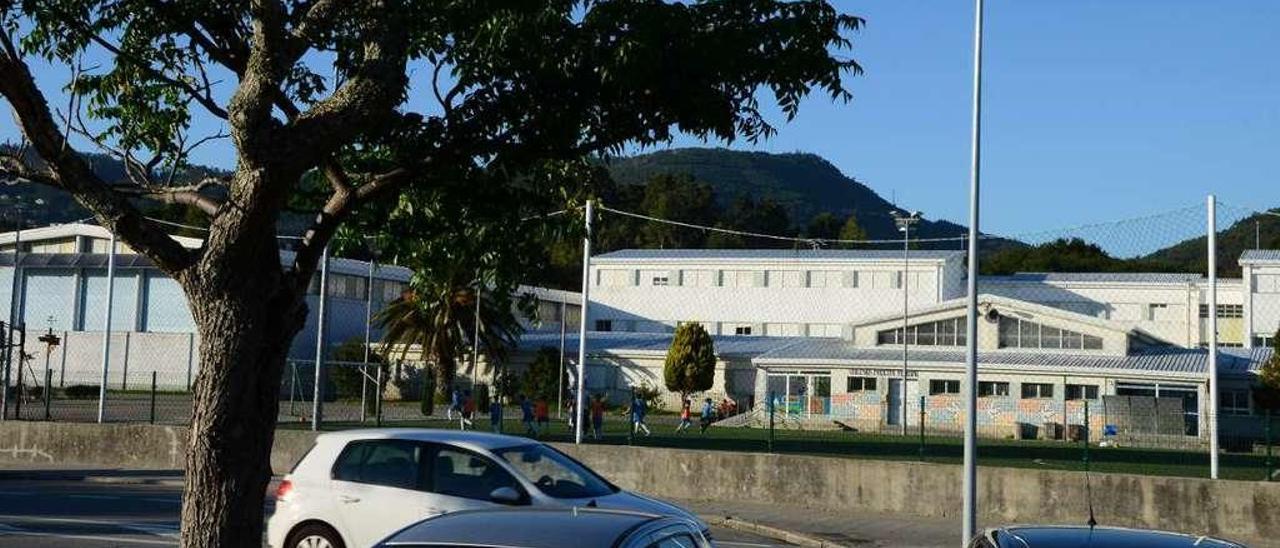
(437, 317)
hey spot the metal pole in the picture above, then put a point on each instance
(377, 399)
(106, 329)
(1266, 427)
(368, 328)
(1212, 203)
(317, 393)
(475, 345)
(1086, 435)
(17, 407)
(153, 397)
(582, 321)
(771, 411)
(921, 427)
(564, 322)
(970, 483)
(906, 266)
(48, 391)
(6, 343)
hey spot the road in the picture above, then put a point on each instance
(49, 513)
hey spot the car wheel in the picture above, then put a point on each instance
(314, 535)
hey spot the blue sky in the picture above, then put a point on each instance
(1094, 110)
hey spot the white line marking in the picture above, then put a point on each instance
(115, 540)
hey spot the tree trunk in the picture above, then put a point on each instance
(246, 322)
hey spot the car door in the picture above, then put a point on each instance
(462, 479)
(378, 487)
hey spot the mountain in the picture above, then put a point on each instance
(1192, 255)
(804, 184)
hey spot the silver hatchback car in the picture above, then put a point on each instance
(548, 528)
(353, 488)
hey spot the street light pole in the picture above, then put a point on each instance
(580, 395)
(106, 329)
(970, 481)
(317, 390)
(904, 223)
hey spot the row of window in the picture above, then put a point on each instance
(1224, 311)
(949, 332)
(346, 286)
(986, 389)
(1019, 333)
(848, 279)
(726, 328)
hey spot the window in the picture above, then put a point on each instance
(742, 278)
(949, 332)
(1224, 311)
(1031, 390)
(786, 278)
(1233, 402)
(1082, 392)
(460, 473)
(992, 388)
(824, 330)
(1019, 333)
(1156, 311)
(697, 278)
(604, 325)
(1260, 341)
(742, 330)
(940, 386)
(390, 463)
(679, 540)
(554, 473)
(861, 384)
(615, 277)
(1266, 283)
(659, 280)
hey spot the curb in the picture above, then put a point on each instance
(770, 531)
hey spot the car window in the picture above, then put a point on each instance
(553, 473)
(391, 463)
(679, 540)
(461, 473)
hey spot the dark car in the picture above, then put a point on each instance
(1068, 536)
(550, 528)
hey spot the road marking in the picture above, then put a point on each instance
(11, 531)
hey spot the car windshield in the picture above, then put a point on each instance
(554, 473)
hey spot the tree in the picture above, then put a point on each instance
(323, 89)
(1267, 393)
(676, 198)
(825, 226)
(691, 361)
(543, 375)
(852, 231)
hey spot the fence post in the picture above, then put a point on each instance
(153, 397)
(6, 339)
(1085, 437)
(20, 392)
(631, 421)
(377, 397)
(1266, 428)
(771, 411)
(293, 385)
(364, 391)
(921, 427)
(48, 391)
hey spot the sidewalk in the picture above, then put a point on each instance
(842, 529)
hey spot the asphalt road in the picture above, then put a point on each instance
(49, 513)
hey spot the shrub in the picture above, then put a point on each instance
(82, 391)
(691, 361)
(543, 375)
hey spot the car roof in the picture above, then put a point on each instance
(524, 528)
(464, 438)
(1072, 536)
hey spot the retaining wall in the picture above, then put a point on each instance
(1243, 511)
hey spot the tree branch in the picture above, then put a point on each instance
(74, 175)
(185, 195)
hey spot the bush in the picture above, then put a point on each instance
(82, 391)
(543, 375)
(691, 361)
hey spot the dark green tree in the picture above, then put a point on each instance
(824, 226)
(322, 88)
(691, 361)
(676, 198)
(543, 375)
(851, 230)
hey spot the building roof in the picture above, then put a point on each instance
(817, 255)
(53, 232)
(999, 302)
(134, 261)
(1163, 360)
(550, 295)
(622, 343)
(1253, 256)
(1101, 277)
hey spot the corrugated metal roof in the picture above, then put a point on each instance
(1101, 277)
(1173, 360)
(1260, 256)
(774, 254)
(75, 260)
(658, 343)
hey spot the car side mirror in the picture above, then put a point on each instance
(506, 495)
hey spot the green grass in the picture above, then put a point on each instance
(1049, 455)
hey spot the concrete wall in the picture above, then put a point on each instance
(1242, 511)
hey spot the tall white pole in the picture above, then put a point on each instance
(564, 323)
(106, 328)
(970, 483)
(906, 266)
(582, 326)
(1213, 336)
(368, 332)
(317, 393)
(475, 347)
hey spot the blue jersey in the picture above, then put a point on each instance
(638, 410)
(707, 410)
(526, 411)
